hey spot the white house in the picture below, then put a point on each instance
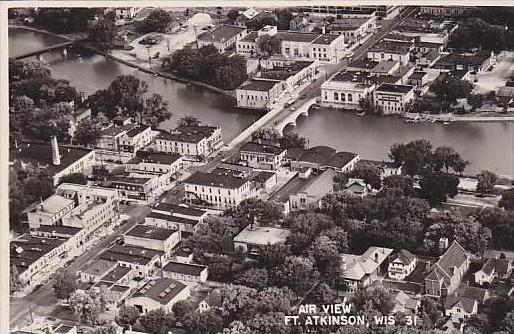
(190, 140)
(152, 237)
(262, 156)
(393, 98)
(259, 93)
(185, 272)
(221, 188)
(402, 264)
(253, 237)
(460, 308)
(493, 268)
(222, 37)
(158, 293)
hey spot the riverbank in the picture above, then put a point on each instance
(141, 68)
(449, 118)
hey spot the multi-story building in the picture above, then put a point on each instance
(57, 160)
(262, 156)
(353, 29)
(160, 293)
(148, 162)
(391, 50)
(126, 13)
(293, 73)
(110, 137)
(151, 237)
(175, 217)
(393, 98)
(136, 138)
(309, 195)
(144, 189)
(323, 47)
(50, 211)
(346, 89)
(359, 271)
(221, 188)
(142, 260)
(402, 264)
(446, 274)
(190, 140)
(259, 93)
(222, 37)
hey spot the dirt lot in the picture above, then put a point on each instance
(498, 76)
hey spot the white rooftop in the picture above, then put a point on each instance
(359, 266)
(262, 235)
(54, 204)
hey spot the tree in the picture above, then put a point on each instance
(127, 316)
(292, 140)
(448, 89)
(377, 298)
(284, 17)
(157, 321)
(65, 20)
(87, 306)
(472, 234)
(404, 183)
(273, 299)
(256, 210)
(270, 135)
(65, 283)
(182, 309)
(477, 33)
(24, 70)
(77, 178)
(126, 91)
(15, 283)
(297, 273)
(102, 102)
(256, 278)
(203, 323)
(87, 133)
(507, 200)
(269, 44)
(270, 323)
(238, 302)
(157, 20)
(370, 174)
(112, 328)
(437, 186)
(103, 34)
(447, 157)
(339, 236)
(428, 313)
(232, 14)
(260, 21)
(486, 182)
(324, 294)
(326, 257)
(155, 111)
(416, 156)
(273, 256)
(189, 120)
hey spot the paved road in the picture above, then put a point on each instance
(43, 300)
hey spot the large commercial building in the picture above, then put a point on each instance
(393, 98)
(222, 37)
(191, 141)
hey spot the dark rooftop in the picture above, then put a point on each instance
(184, 268)
(154, 157)
(417, 75)
(293, 36)
(115, 274)
(41, 153)
(66, 230)
(250, 37)
(188, 134)
(347, 24)
(217, 179)
(221, 34)
(150, 232)
(179, 209)
(172, 218)
(395, 47)
(364, 64)
(340, 159)
(162, 290)
(130, 254)
(284, 72)
(136, 130)
(389, 88)
(259, 85)
(262, 176)
(261, 148)
(325, 39)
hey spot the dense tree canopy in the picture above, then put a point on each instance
(103, 34)
(477, 33)
(65, 20)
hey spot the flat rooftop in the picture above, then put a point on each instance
(347, 24)
(184, 268)
(292, 36)
(98, 267)
(188, 133)
(262, 235)
(390, 88)
(41, 153)
(164, 158)
(162, 290)
(53, 204)
(216, 179)
(150, 232)
(221, 34)
(254, 147)
(115, 274)
(259, 85)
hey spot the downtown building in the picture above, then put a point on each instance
(190, 141)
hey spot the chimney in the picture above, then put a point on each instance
(56, 157)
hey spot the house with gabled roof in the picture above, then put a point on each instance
(493, 268)
(446, 274)
(158, 293)
(460, 308)
(402, 264)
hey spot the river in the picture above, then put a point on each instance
(89, 72)
(485, 145)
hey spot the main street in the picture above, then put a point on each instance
(42, 301)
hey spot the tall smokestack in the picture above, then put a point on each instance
(56, 157)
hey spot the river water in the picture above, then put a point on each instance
(485, 145)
